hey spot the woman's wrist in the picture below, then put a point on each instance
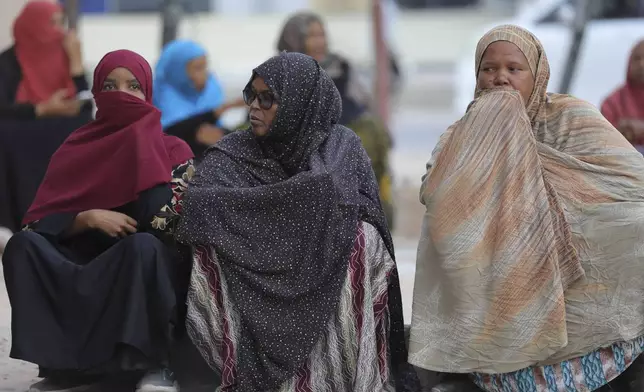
(76, 67)
(83, 220)
(76, 70)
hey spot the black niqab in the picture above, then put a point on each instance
(282, 213)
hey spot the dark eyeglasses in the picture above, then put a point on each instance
(265, 99)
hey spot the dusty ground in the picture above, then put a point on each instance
(16, 376)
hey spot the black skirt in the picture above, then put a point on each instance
(112, 313)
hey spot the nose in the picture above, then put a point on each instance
(640, 63)
(501, 79)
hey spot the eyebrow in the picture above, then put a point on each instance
(261, 91)
(110, 80)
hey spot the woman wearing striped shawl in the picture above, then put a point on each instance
(530, 267)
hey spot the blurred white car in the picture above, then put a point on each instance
(610, 35)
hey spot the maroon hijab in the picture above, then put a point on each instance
(108, 162)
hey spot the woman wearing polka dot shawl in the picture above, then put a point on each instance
(294, 286)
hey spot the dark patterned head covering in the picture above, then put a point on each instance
(281, 213)
(309, 107)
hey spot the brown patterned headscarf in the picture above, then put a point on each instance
(534, 53)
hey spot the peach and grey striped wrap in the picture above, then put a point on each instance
(531, 247)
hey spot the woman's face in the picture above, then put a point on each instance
(636, 65)
(121, 79)
(504, 66)
(315, 44)
(197, 70)
(58, 21)
(263, 106)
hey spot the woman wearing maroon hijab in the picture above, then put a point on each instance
(624, 108)
(91, 277)
(42, 74)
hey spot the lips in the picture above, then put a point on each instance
(255, 120)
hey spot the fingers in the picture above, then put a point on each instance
(123, 231)
(128, 229)
(130, 221)
(59, 95)
(72, 106)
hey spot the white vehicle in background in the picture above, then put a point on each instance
(614, 28)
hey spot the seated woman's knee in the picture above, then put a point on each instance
(145, 243)
(20, 241)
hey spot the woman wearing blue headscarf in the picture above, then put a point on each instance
(189, 96)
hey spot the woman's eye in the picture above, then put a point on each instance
(108, 87)
(135, 86)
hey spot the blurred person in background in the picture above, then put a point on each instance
(305, 33)
(189, 96)
(294, 286)
(93, 277)
(43, 97)
(624, 108)
(42, 74)
(529, 271)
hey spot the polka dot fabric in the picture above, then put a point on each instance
(282, 212)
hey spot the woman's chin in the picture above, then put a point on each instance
(258, 129)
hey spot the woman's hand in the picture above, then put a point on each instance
(237, 103)
(72, 46)
(111, 223)
(209, 134)
(59, 105)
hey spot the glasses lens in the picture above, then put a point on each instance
(249, 96)
(265, 99)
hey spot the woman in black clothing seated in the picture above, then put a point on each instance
(43, 97)
(92, 277)
(189, 96)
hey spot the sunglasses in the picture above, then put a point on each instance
(265, 99)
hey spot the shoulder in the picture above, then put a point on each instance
(570, 107)
(612, 98)
(341, 135)
(567, 101)
(336, 65)
(338, 58)
(178, 149)
(233, 142)
(236, 147)
(573, 125)
(9, 62)
(9, 55)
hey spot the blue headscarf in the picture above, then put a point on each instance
(174, 92)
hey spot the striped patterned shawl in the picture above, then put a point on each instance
(531, 247)
(531, 250)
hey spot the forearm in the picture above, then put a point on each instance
(79, 225)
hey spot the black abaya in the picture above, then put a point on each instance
(27, 142)
(92, 303)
